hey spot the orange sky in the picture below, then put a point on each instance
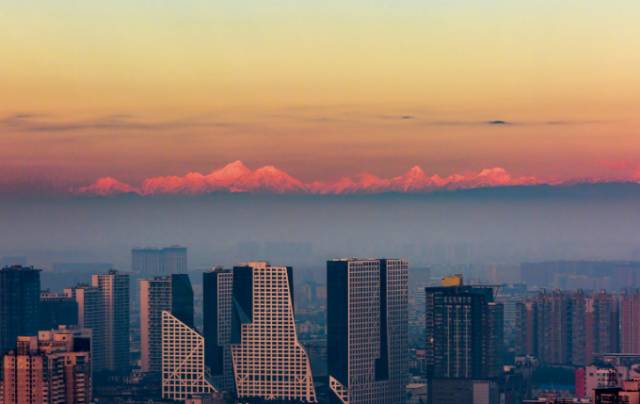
(322, 90)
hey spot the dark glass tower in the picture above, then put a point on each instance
(464, 336)
(217, 298)
(57, 309)
(463, 331)
(182, 298)
(367, 303)
(19, 304)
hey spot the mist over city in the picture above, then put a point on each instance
(333, 202)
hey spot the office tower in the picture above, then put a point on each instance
(155, 297)
(367, 338)
(19, 304)
(91, 316)
(174, 260)
(269, 362)
(114, 296)
(57, 309)
(183, 369)
(464, 337)
(463, 332)
(172, 293)
(159, 261)
(146, 261)
(53, 367)
(630, 321)
(217, 289)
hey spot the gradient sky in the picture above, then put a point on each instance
(322, 89)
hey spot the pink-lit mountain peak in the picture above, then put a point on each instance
(231, 171)
(237, 177)
(107, 186)
(268, 179)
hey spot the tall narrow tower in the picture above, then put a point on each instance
(113, 289)
(19, 304)
(367, 303)
(217, 290)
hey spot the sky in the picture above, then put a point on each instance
(322, 90)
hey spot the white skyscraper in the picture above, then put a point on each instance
(183, 369)
(269, 362)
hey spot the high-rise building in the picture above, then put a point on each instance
(630, 322)
(53, 367)
(19, 304)
(367, 334)
(57, 309)
(464, 338)
(114, 295)
(269, 362)
(91, 316)
(463, 332)
(103, 307)
(217, 290)
(159, 261)
(172, 293)
(155, 297)
(184, 373)
(568, 327)
(174, 260)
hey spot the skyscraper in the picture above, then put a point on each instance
(19, 304)
(155, 297)
(568, 327)
(53, 367)
(217, 289)
(91, 316)
(269, 363)
(183, 370)
(159, 261)
(114, 296)
(172, 293)
(57, 309)
(630, 321)
(367, 330)
(464, 336)
(174, 260)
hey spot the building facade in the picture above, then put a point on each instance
(172, 293)
(19, 304)
(113, 289)
(568, 327)
(217, 289)
(53, 367)
(103, 307)
(630, 321)
(159, 261)
(367, 306)
(464, 338)
(57, 309)
(269, 362)
(184, 374)
(91, 316)
(463, 332)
